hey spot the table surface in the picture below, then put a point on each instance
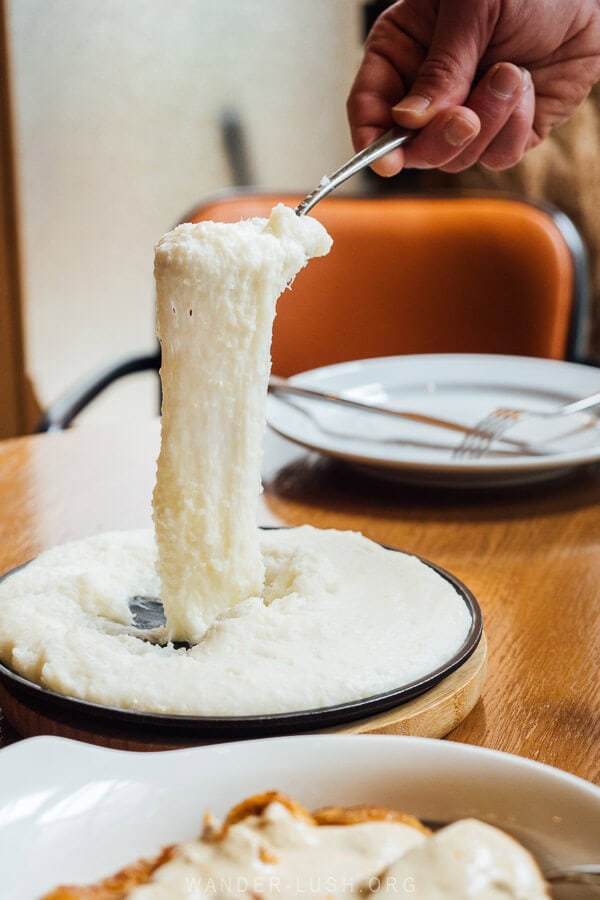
(531, 555)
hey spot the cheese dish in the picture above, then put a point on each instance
(338, 618)
(276, 622)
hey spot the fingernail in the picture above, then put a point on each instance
(459, 131)
(506, 80)
(414, 103)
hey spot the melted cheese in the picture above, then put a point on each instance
(217, 286)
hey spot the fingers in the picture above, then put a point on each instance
(460, 37)
(369, 116)
(390, 56)
(515, 138)
(390, 164)
(493, 126)
(456, 124)
(504, 102)
(443, 139)
(396, 56)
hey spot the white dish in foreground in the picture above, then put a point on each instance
(70, 812)
(461, 387)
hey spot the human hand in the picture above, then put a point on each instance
(482, 80)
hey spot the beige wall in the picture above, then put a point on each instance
(117, 106)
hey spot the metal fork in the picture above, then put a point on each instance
(387, 142)
(281, 386)
(492, 427)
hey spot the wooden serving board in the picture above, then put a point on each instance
(433, 714)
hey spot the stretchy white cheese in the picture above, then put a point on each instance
(217, 286)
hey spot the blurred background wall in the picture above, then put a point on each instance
(118, 106)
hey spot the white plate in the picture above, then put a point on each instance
(70, 812)
(462, 387)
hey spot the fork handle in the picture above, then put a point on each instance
(578, 405)
(386, 143)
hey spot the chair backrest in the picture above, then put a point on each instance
(415, 274)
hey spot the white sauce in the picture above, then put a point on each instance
(466, 861)
(339, 618)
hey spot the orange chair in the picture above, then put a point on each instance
(410, 274)
(416, 274)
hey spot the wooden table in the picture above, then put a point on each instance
(531, 556)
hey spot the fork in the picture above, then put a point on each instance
(387, 142)
(281, 386)
(492, 427)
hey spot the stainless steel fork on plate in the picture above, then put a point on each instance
(477, 442)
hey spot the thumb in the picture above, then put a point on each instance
(446, 76)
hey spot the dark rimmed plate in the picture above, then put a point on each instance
(94, 716)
